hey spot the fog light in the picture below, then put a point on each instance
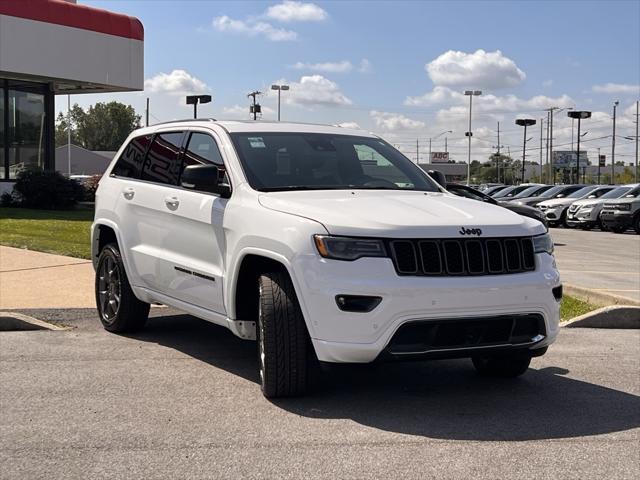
(557, 292)
(357, 303)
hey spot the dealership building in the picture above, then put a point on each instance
(57, 47)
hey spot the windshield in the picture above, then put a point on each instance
(505, 192)
(531, 191)
(616, 192)
(632, 194)
(553, 191)
(279, 161)
(582, 192)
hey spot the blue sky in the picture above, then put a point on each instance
(396, 68)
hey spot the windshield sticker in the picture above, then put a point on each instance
(256, 142)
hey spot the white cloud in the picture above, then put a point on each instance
(293, 11)
(487, 102)
(394, 121)
(313, 90)
(332, 67)
(365, 66)
(178, 82)
(353, 125)
(480, 69)
(617, 88)
(252, 29)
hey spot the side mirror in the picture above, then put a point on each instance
(438, 177)
(592, 196)
(560, 195)
(204, 178)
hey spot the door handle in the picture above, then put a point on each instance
(128, 193)
(172, 202)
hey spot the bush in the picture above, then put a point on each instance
(47, 190)
(90, 186)
(6, 200)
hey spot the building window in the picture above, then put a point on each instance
(2, 156)
(23, 127)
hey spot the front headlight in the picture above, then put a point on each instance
(543, 244)
(587, 206)
(346, 248)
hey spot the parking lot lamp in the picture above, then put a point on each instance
(279, 88)
(579, 114)
(195, 99)
(524, 122)
(470, 94)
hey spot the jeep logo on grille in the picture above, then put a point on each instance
(470, 231)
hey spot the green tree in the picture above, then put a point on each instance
(104, 126)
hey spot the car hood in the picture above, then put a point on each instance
(398, 214)
(589, 201)
(557, 202)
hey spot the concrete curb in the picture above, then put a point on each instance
(616, 316)
(16, 322)
(595, 297)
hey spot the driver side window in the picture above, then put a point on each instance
(202, 149)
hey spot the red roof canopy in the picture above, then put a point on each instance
(76, 16)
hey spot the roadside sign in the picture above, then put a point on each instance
(439, 157)
(601, 160)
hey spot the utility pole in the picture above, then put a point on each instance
(613, 144)
(546, 151)
(447, 151)
(429, 149)
(498, 157)
(598, 165)
(146, 114)
(417, 152)
(470, 94)
(69, 134)
(541, 127)
(255, 107)
(636, 171)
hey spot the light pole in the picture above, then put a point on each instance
(436, 137)
(551, 111)
(579, 114)
(613, 144)
(279, 88)
(470, 94)
(524, 122)
(195, 99)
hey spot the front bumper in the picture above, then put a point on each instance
(616, 218)
(348, 337)
(582, 217)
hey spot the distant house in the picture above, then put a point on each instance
(83, 161)
(453, 172)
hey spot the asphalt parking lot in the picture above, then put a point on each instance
(603, 261)
(181, 400)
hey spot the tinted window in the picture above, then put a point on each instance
(130, 162)
(162, 164)
(314, 161)
(616, 192)
(202, 148)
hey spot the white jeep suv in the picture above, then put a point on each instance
(324, 244)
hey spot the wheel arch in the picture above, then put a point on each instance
(251, 263)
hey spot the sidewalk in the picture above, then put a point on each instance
(40, 280)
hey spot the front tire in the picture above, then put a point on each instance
(119, 309)
(508, 366)
(283, 342)
(636, 224)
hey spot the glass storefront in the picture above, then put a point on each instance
(22, 127)
(2, 156)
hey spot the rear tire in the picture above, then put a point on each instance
(636, 224)
(284, 350)
(508, 366)
(618, 229)
(119, 309)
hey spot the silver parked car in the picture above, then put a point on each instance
(585, 213)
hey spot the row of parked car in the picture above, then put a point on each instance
(608, 207)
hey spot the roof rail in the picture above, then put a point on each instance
(186, 120)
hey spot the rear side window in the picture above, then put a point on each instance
(130, 162)
(162, 164)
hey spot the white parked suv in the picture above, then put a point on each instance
(324, 244)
